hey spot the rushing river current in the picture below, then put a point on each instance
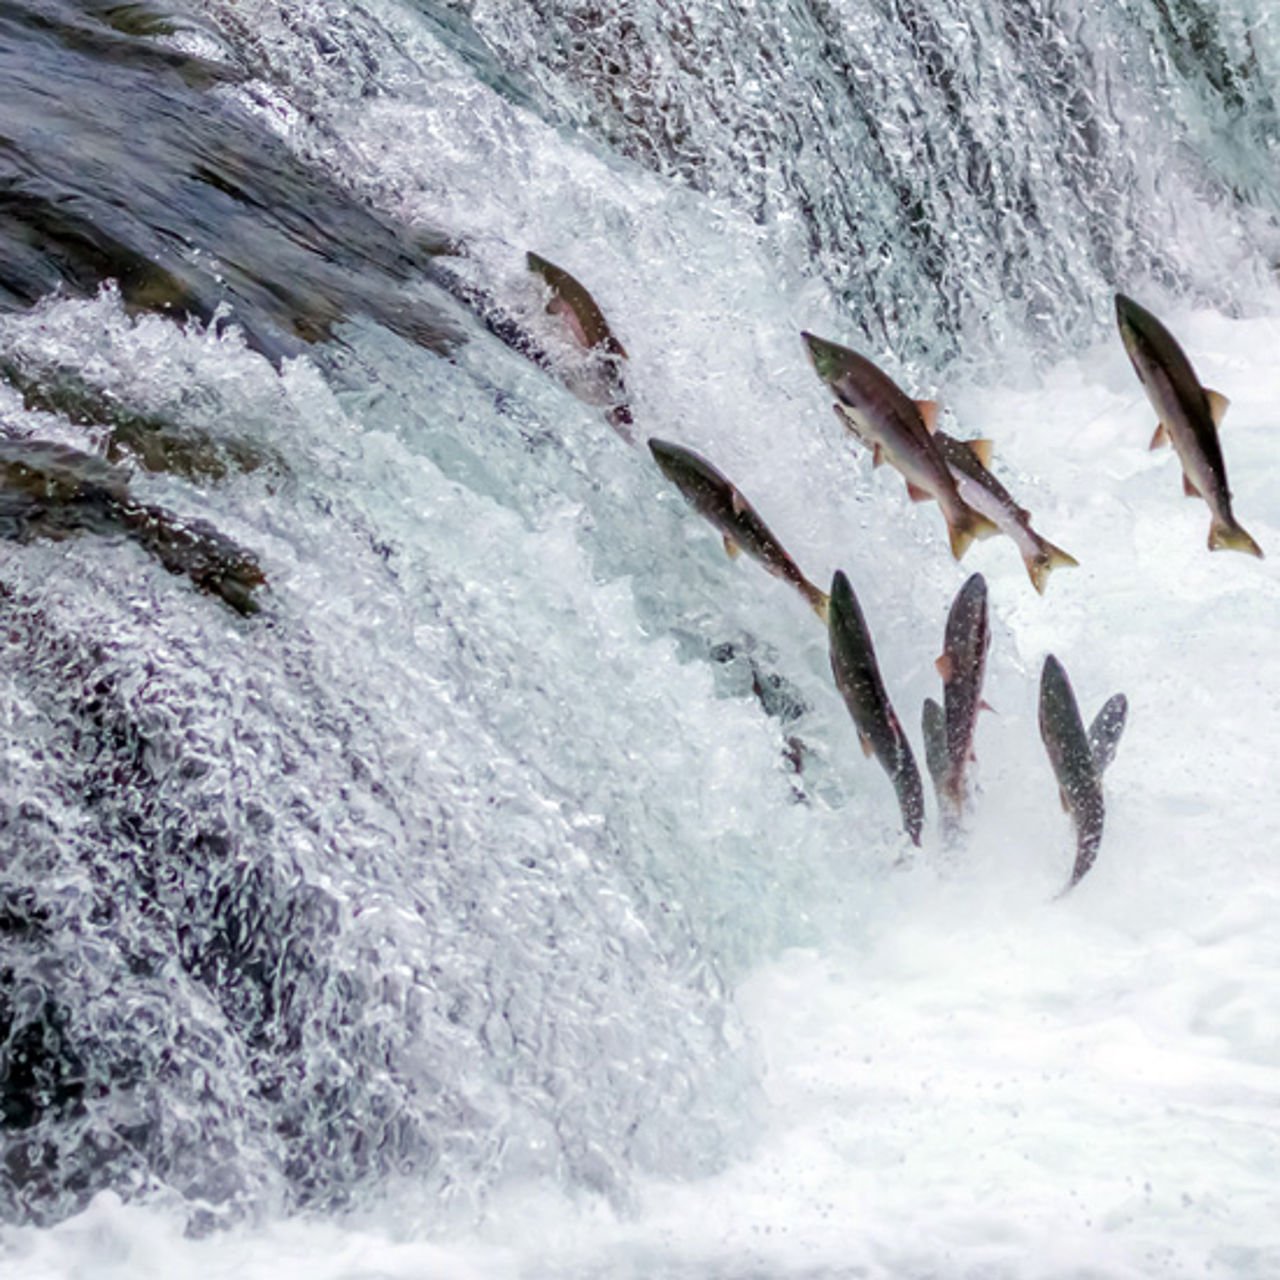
(423, 851)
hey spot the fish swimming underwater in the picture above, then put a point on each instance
(894, 428)
(857, 676)
(1189, 415)
(718, 500)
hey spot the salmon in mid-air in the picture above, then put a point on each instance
(718, 500)
(857, 676)
(894, 427)
(603, 385)
(962, 666)
(968, 460)
(1079, 758)
(1189, 415)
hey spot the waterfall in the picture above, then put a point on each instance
(442, 868)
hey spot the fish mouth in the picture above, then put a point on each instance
(1130, 319)
(824, 355)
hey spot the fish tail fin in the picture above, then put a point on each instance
(818, 600)
(967, 526)
(1044, 560)
(1231, 537)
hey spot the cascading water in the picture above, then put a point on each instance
(445, 873)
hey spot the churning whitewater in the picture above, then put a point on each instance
(424, 851)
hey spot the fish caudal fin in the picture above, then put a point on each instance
(970, 524)
(1231, 537)
(818, 600)
(1044, 560)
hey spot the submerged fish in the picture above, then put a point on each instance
(52, 491)
(968, 460)
(1079, 759)
(857, 676)
(1189, 415)
(571, 301)
(895, 428)
(717, 499)
(962, 666)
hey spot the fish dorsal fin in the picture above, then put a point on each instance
(1188, 488)
(917, 494)
(1218, 404)
(982, 450)
(929, 413)
(877, 455)
(944, 666)
(867, 749)
(1161, 436)
(731, 548)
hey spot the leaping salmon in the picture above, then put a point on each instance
(968, 460)
(1079, 758)
(590, 330)
(896, 428)
(718, 500)
(857, 676)
(962, 666)
(1189, 415)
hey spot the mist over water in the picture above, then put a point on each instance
(510, 896)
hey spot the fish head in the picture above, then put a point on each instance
(837, 366)
(1139, 329)
(672, 460)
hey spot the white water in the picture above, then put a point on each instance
(978, 1080)
(958, 1076)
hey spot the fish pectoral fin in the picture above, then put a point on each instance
(944, 667)
(877, 455)
(867, 749)
(731, 548)
(1160, 437)
(1188, 488)
(982, 450)
(984, 705)
(917, 494)
(1218, 405)
(929, 413)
